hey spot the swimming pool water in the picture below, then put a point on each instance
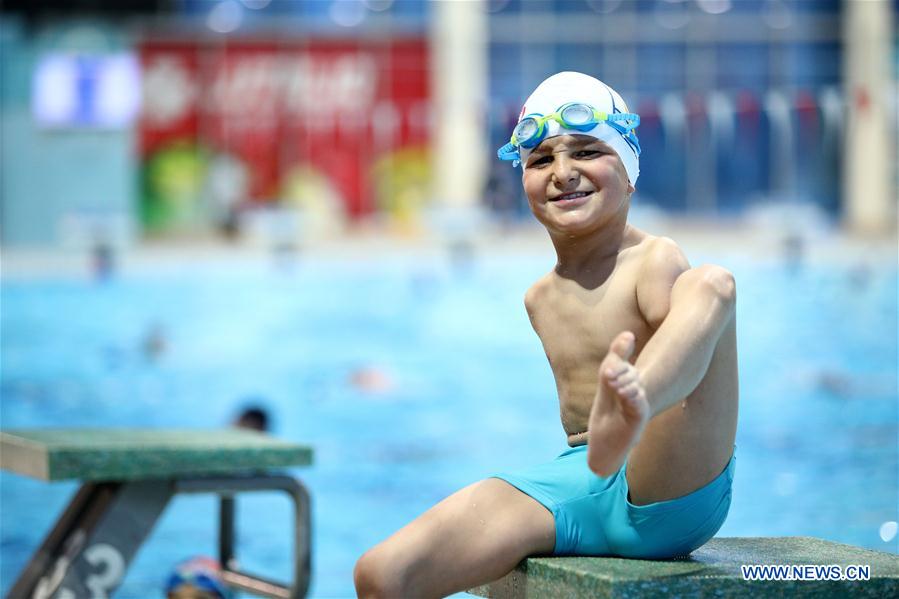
(463, 391)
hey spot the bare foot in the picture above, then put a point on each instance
(620, 411)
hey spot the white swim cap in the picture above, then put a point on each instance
(570, 86)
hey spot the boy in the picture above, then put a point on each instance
(643, 350)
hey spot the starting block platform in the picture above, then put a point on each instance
(128, 477)
(714, 571)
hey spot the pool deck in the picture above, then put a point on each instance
(761, 238)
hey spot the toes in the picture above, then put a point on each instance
(626, 376)
(614, 369)
(615, 364)
(630, 390)
(623, 345)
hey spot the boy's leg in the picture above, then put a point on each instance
(472, 537)
(693, 355)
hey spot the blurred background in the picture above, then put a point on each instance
(213, 204)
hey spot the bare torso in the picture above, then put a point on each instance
(577, 320)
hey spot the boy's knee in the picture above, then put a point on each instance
(373, 576)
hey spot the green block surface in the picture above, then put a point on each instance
(713, 570)
(136, 454)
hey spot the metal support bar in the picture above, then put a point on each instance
(89, 548)
(87, 552)
(226, 532)
(227, 487)
(91, 499)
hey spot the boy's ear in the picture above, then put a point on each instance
(630, 188)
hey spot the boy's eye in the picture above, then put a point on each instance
(541, 161)
(587, 153)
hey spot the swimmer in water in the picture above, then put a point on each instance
(197, 578)
(643, 350)
(372, 380)
(254, 418)
(102, 261)
(154, 343)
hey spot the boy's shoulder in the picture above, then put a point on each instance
(661, 263)
(537, 291)
(660, 255)
(652, 261)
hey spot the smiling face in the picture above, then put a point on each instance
(576, 184)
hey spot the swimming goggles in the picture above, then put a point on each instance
(201, 580)
(531, 130)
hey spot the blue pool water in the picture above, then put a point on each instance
(469, 393)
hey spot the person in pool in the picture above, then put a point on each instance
(197, 578)
(643, 349)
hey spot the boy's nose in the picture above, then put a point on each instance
(564, 172)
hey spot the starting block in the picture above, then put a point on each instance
(128, 477)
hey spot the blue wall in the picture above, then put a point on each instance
(49, 175)
(742, 57)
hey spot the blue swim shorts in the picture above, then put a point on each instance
(594, 516)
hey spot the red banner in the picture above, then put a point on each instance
(280, 112)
